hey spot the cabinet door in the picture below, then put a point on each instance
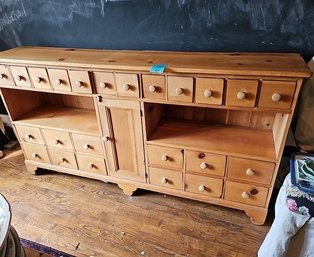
(122, 128)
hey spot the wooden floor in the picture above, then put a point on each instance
(90, 218)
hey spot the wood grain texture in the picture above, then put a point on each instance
(61, 211)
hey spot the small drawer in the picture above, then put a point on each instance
(203, 185)
(20, 76)
(246, 193)
(180, 89)
(250, 170)
(58, 139)
(87, 144)
(5, 76)
(241, 92)
(80, 81)
(62, 158)
(59, 80)
(205, 163)
(29, 134)
(39, 77)
(104, 82)
(166, 178)
(165, 156)
(277, 94)
(91, 164)
(154, 87)
(209, 91)
(37, 153)
(127, 85)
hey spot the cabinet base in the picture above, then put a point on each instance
(31, 168)
(257, 217)
(128, 189)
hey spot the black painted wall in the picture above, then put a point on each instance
(185, 25)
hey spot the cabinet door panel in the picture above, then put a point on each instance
(122, 128)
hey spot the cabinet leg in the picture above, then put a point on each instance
(31, 168)
(128, 189)
(257, 217)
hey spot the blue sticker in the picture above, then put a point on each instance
(159, 68)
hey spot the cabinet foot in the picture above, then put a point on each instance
(128, 189)
(31, 168)
(257, 217)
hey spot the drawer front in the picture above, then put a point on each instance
(154, 87)
(80, 81)
(39, 77)
(62, 158)
(180, 89)
(20, 76)
(250, 170)
(104, 82)
(58, 139)
(127, 85)
(245, 193)
(165, 156)
(87, 144)
(202, 185)
(29, 134)
(277, 94)
(207, 163)
(5, 76)
(59, 80)
(166, 178)
(241, 92)
(36, 153)
(91, 164)
(209, 91)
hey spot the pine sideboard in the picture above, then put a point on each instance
(210, 127)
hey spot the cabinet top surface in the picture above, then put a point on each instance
(253, 64)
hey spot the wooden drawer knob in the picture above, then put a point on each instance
(245, 195)
(28, 136)
(2, 76)
(106, 139)
(203, 165)
(208, 93)
(126, 87)
(79, 83)
(91, 166)
(164, 180)
(249, 172)
(57, 142)
(86, 146)
(64, 160)
(179, 91)
(276, 97)
(18, 77)
(152, 89)
(103, 84)
(164, 157)
(35, 155)
(201, 188)
(241, 95)
(58, 82)
(38, 79)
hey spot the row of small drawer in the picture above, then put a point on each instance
(60, 139)
(238, 92)
(209, 186)
(248, 170)
(66, 159)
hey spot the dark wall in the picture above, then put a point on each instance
(185, 25)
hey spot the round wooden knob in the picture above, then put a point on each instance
(179, 91)
(276, 97)
(79, 83)
(58, 82)
(249, 172)
(2, 76)
(64, 160)
(35, 155)
(201, 188)
(241, 95)
(245, 195)
(203, 165)
(164, 180)
(38, 79)
(208, 93)
(103, 84)
(106, 138)
(18, 77)
(164, 157)
(91, 166)
(28, 136)
(126, 87)
(152, 89)
(86, 146)
(57, 142)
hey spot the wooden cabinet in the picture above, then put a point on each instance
(211, 127)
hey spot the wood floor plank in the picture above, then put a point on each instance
(85, 217)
